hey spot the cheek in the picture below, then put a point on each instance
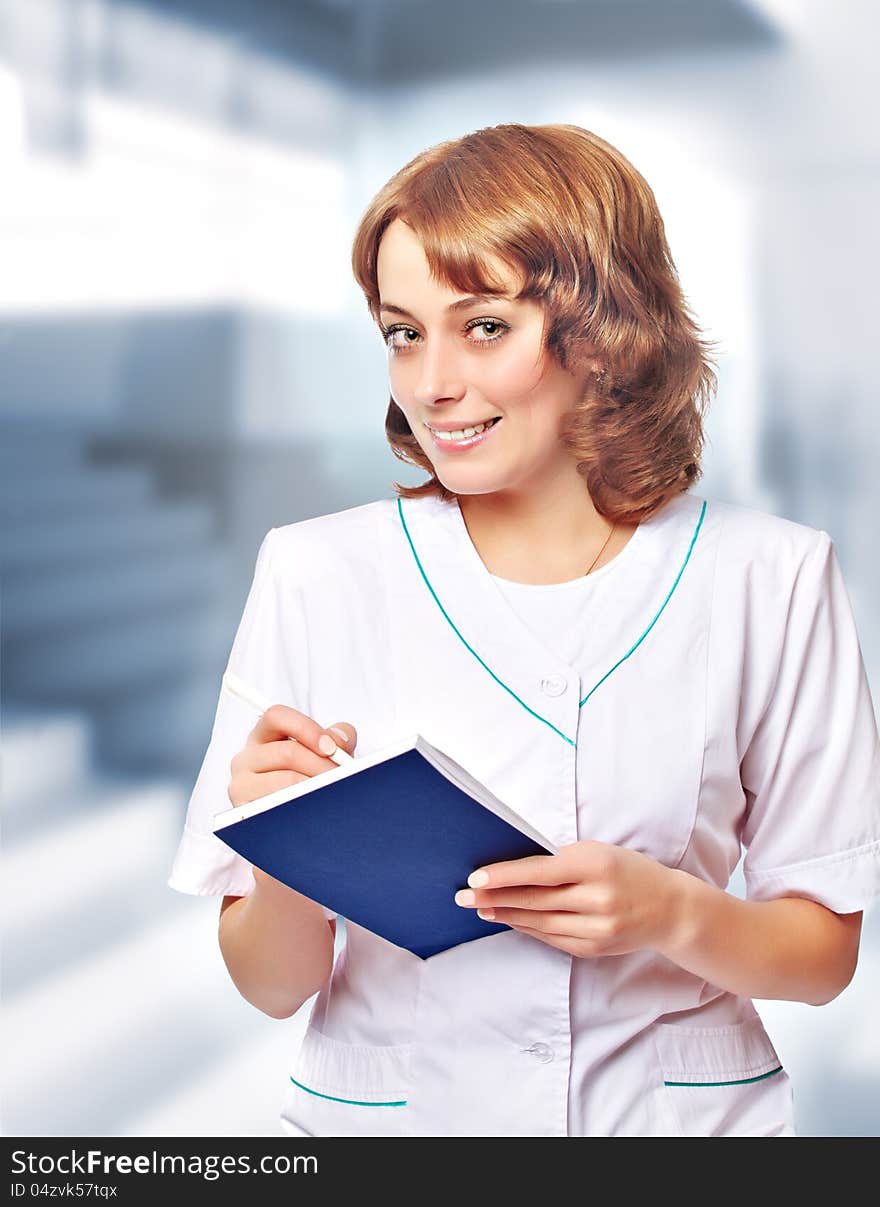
(537, 399)
(516, 378)
(396, 383)
(402, 395)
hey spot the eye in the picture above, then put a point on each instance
(498, 325)
(388, 334)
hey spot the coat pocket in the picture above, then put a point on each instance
(724, 1080)
(340, 1089)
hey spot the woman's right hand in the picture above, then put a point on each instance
(270, 760)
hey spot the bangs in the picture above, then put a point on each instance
(464, 246)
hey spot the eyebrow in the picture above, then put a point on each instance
(461, 304)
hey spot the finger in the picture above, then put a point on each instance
(562, 942)
(280, 721)
(538, 897)
(569, 865)
(345, 733)
(551, 923)
(533, 869)
(284, 756)
(243, 791)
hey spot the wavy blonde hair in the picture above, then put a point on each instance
(581, 227)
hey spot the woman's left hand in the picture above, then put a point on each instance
(590, 899)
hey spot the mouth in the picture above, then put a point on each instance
(463, 438)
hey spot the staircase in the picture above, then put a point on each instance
(119, 1017)
(114, 601)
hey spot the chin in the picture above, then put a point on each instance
(469, 486)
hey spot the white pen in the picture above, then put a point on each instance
(237, 687)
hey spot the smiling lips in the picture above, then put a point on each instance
(464, 431)
(462, 439)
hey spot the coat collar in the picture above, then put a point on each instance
(639, 591)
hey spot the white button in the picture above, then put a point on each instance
(542, 1051)
(554, 685)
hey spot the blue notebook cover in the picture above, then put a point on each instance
(386, 841)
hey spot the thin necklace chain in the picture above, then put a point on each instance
(602, 550)
(595, 559)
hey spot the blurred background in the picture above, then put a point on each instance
(185, 362)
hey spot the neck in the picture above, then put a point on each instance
(549, 537)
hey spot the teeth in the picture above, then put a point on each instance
(462, 433)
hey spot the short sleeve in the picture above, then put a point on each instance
(269, 652)
(811, 773)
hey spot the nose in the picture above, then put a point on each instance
(436, 378)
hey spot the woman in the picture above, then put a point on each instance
(650, 678)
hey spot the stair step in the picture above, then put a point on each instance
(89, 855)
(89, 1046)
(62, 596)
(129, 533)
(42, 446)
(34, 810)
(238, 1095)
(28, 494)
(119, 656)
(43, 752)
(168, 725)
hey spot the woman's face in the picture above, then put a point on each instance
(460, 367)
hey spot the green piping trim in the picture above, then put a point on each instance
(662, 606)
(348, 1101)
(538, 717)
(743, 1081)
(462, 640)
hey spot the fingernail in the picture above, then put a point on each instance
(326, 745)
(476, 879)
(464, 897)
(340, 733)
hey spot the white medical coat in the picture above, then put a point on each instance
(717, 696)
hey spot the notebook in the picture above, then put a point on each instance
(386, 841)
